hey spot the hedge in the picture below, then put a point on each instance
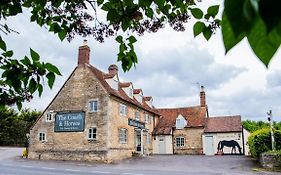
(259, 141)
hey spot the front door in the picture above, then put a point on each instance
(138, 140)
(209, 145)
(161, 145)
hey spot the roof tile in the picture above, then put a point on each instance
(223, 124)
(195, 117)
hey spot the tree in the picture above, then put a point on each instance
(15, 125)
(258, 20)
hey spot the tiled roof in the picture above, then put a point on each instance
(125, 84)
(195, 117)
(120, 93)
(137, 91)
(223, 124)
(106, 76)
(147, 98)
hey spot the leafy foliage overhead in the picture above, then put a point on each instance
(257, 20)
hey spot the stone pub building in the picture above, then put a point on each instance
(94, 117)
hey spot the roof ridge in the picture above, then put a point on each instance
(188, 107)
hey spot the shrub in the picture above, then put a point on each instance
(259, 141)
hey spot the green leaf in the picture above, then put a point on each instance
(160, 3)
(51, 79)
(113, 16)
(229, 38)
(51, 68)
(19, 105)
(270, 13)
(40, 89)
(2, 44)
(62, 35)
(34, 55)
(132, 39)
(263, 44)
(32, 85)
(213, 10)
(149, 12)
(99, 2)
(25, 61)
(197, 13)
(119, 39)
(198, 28)
(207, 32)
(125, 24)
(8, 53)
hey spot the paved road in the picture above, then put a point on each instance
(12, 164)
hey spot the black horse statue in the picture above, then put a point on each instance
(231, 143)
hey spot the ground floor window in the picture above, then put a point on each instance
(42, 136)
(92, 134)
(180, 141)
(147, 138)
(123, 135)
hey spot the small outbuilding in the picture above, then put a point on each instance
(223, 135)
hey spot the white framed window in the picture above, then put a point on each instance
(49, 117)
(147, 119)
(42, 136)
(180, 141)
(137, 115)
(147, 137)
(180, 122)
(93, 105)
(122, 109)
(92, 133)
(122, 135)
(131, 92)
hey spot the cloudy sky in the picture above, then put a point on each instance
(171, 65)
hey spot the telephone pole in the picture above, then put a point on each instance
(271, 129)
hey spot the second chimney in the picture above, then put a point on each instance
(202, 97)
(84, 54)
(113, 69)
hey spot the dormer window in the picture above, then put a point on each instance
(127, 88)
(180, 122)
(131, 92)
(112, 80)
(138, 95)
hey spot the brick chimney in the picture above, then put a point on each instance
(202, 97)
(84, 54)
(113, 69)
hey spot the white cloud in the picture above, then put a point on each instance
(170, 65)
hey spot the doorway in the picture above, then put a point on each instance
(161, 145)
(138, 141)
(209, 146)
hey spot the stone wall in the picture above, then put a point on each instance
(270, 160)
(193, 140)
(81, 87)
(118, 121)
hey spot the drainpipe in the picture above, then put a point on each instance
(243, 141)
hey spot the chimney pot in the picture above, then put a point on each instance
(113, 69)
(202, 97)
(84, 54)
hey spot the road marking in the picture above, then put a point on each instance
(101, 172)
(26, 166)
(72, 170)
(48, 168)
(131, 174)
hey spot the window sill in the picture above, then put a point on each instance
(92, 140)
